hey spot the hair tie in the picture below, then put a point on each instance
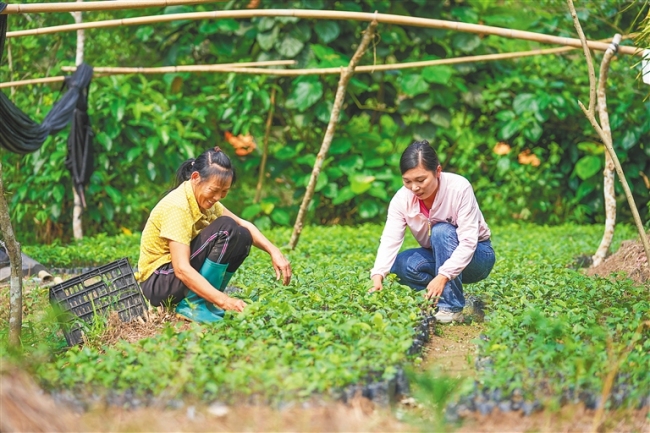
(192, 163)
(217, 149)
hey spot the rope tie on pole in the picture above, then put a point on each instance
(613, 47)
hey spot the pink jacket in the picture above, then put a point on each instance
(455, 203)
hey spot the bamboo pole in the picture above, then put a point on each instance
(291, 72)
(16, 262)
(162, 70)
(242, 67)
(333, 15)
(183, 68)
(346, 74)
(96, 6)
(607, 139)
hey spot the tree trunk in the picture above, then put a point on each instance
(77, 210)
(607, 139)
(15, 258)
(608, 172)
(346, 74)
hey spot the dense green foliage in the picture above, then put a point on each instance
(547, 326)
(146, 125)
(322, 332)
(552, 330)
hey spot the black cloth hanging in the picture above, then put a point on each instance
(80, 150)
(20, 134)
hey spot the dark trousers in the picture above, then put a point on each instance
(223, 241)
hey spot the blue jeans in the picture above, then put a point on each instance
(417, 267)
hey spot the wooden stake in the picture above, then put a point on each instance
(265, 150)
(346, 74)
(607, 139)
(330, 15)
(96, 6)
(15, 259)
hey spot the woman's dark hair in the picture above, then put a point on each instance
(212, 162)
(419, 153)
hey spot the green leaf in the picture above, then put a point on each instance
(591, 147)
(509, 129)
(368, 209)
(525, 102)
(425, 131)
(286, 152)
(437, 74)
(265, 24)
(413, 84)
(251, 211)
(629, 139)
(588, 166)
(360, 183)
(114, 194)
(465, 42)
(441, 118)
(533, 131)
(345, 194)
(340, 146)
(267, 207)
(374, 162)
(133, 153)
(268, 39)
(281, 216)
(305, 94)
(289, 47)
(58, 192)
(327, 31)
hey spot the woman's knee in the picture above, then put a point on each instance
(412, 267)
(244, 236)
(443, 230)
(226, 223)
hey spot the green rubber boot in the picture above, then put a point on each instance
(197, 309)
(215, 273)
(226, 279)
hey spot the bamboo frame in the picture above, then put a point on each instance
(334, 15)
(96, 6)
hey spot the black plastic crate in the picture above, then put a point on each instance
(100, 291)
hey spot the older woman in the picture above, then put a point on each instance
(441, 212)
(192, 245)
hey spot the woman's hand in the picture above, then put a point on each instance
(232, 304)
(282, 267)
(435, 288)
(376, 283)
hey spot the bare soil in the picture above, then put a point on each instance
(451, 348)
(629, 261)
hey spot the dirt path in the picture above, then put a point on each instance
(452, 349)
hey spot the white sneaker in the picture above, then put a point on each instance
(448, 317)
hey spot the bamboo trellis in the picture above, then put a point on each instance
(333, 15)
(243, 69)
(96, 6)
